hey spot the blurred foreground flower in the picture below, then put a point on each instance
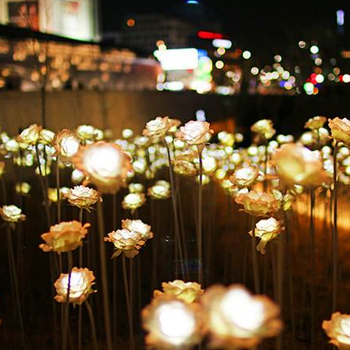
(83, 197)
(258, 204)
(189, 292)
(105, 164)
(80, 286)
(11, 214)
(297, 165)
(266, 230)
(338, 330)
(172, 324)
(237, 319)
(195, 132)
(64, 237)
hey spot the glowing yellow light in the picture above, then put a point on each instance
(246, 54)
(302, 44)
(221, 51)
(255, 71)
(314, 49)
(219, 64)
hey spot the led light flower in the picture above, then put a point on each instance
(267, 230)
(105, 164)
(11, 214)
(138, 226)
(157, 128)
(338, 330)
(195, 132)
(172, 324)
(237, 319)
(83, 197)
(315, 123)
(296, 164)
(258, 204)
(161, 190)
(80, 286)
(66, 145)
(132, 201)
(264, 128)
(183, 164)
(64, 237)
(30, 135)
(136, 188)
(127, 242)
(46, 137)
(189, 292)
(244, 177)
(86, 132)
(340, 129)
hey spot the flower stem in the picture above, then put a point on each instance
(14, 279)
(335, 229)
(114, 271)
(178, 243)
(128, 305)
(313, 263)
(92, 324)
(66, 306)
(58, 191)
(255, 259)
(105, 295)
(200, 219)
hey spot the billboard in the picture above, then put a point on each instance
(177, 59)
(24, 14)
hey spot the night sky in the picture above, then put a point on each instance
(265, 24)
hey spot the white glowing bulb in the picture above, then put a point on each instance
(245, 312)
(70, 146)
(176, 322)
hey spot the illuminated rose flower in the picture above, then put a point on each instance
(315, 123)
(83, 197)
(266, 230)
(189, 292)
(132, 201)
(105, 164)
(11, 213)
(136, 188)
(264, 128)
(66, 145)
(296, 164)
(340, 129)
(237, 319)
(46, 137)
(338, 330)
(52, 194)
(86, 132)
(195, 132)
(30, 135)
(64, 237)
(183, 164)
(245, 177)
(80, 286)
(138, 226)
(209, 165)
(258, 204)
(161, 190)
(157, 128)
(171, 324)
(127, 242)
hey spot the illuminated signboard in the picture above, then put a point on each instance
(177, 59)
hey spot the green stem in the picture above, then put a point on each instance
(200, 217)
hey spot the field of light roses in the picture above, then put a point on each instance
(175, 238)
